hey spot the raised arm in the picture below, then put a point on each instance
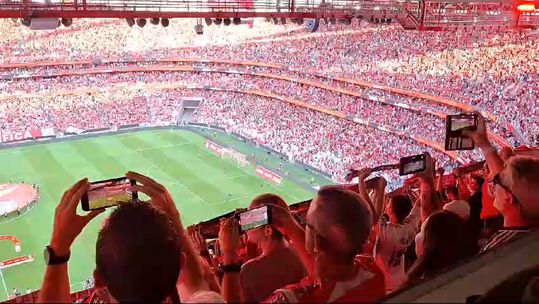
(440, 180)
(229, 240)
(429, 199)
(364, 192)
(206, 261)
(67, 226)
(480, 138)
(379, 199)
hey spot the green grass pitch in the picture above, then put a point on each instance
(197, 179)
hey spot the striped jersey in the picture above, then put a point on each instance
(504, 235)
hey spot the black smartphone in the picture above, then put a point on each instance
(454, 125)
(255, 218)
(108, 193)
(412, 164)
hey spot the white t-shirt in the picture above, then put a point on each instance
(205, 296)
(392, 240)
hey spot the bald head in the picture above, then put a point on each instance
(342, 218)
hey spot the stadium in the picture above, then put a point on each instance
(222, 102)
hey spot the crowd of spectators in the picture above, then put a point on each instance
(489, 69)
(333, 150)
(368, 105)
(351, 243)
(354, 245)
(414, 122)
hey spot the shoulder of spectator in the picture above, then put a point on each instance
(414, 216)
(249, 270)
(289, 293)
(251, 264)
(278, 296)
(205, 296)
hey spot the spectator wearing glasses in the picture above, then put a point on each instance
(516, 196)
(516, 189)
(338, 224)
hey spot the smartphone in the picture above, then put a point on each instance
(412, 164)
(255, 218)
(108, 193)
(454, 125)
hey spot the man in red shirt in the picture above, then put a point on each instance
(338, 225)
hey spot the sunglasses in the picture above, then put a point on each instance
(497, 181)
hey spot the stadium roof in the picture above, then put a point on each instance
(412, 14)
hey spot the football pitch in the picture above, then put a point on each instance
(199, 181)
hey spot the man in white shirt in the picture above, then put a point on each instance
(456, 205)
(395, 232)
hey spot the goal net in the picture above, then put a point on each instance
(228, 153)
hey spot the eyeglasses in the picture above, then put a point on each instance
(496, 181)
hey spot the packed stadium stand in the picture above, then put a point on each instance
(340, 101)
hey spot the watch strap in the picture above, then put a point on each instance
(54, 259)
(235, 267)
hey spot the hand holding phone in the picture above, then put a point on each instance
(412, 164)
(159, 196)
(67, 223)
(229, 237)
(479, 135)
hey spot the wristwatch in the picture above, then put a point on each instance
(52, 259)
(236, 267)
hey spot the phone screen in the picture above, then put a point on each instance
(412, 164)
(462, 122)
(455, 124)
(108, 193)
(254, 218)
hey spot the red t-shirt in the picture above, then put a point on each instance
(367, 286)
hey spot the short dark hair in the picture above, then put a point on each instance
(347, 210)
(138, 254)
(479, 179)
(452, 190)
(401, 205)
